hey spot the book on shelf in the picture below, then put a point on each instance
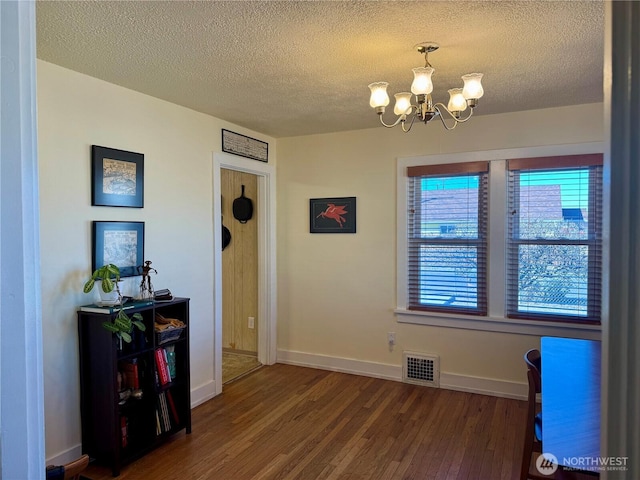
(161, 364)
(163, 413)
(131, 379)
(174, 410)
(123, 431)
(166, 364)
(158, 428)
(167, 421)
(170, 350)
(109, 309)
(163, 295)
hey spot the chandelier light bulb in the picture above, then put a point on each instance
(472, 86)
(457, 102)
(422, 84)
(403, 104)
(379, 96)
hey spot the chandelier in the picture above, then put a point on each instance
(425, 110)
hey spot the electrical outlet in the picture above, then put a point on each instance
(391, 338)
(252, 322)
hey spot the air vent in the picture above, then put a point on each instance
(421, 369)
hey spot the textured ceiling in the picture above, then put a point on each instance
(287, 68)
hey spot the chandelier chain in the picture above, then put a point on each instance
(426, 59)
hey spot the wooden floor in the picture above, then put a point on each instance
(287, 422)
(235, 365)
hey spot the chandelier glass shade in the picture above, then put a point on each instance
(424, 109)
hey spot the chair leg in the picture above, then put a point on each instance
(526, 460)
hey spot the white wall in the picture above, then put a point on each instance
(336, 293)
(75, 112)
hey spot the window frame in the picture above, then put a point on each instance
(466, 169)
(496, 319)
(593, 241)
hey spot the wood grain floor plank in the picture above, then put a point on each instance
(283, 422)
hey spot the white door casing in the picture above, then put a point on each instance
(265, 215)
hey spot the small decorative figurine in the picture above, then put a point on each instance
(146, 288)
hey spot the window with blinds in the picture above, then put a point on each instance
(554, 244)
(447, 237)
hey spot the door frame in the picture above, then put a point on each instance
(265, 215)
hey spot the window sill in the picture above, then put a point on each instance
(496, 324)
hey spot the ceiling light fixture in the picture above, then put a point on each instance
(422, 86)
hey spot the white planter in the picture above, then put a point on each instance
(110, 298)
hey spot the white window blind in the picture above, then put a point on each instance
(554, 244)
(447, 237)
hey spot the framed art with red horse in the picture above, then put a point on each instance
(332, 215)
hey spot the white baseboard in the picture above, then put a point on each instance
(484, 386)
(66, 456)
(202, 393)
(450, 381)
(344, 365)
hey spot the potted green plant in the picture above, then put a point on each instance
(108, 276)
(122, 325)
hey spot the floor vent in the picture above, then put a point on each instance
(421, 369)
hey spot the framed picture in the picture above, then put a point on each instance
(120, 243)
(332, 215)
(244, 146)
(117, 178)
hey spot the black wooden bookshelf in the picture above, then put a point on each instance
(118, 427)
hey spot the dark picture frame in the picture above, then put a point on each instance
(332, 215)
(117, 178)
(120, 243)
(243, 146)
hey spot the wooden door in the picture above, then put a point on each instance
(239, 266)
